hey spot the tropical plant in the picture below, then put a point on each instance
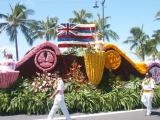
(151, 47)
(78, 51)
(156, 102)
(156, 36)
(75, 72)
(81, 16)
(88, 99)
(17, 19)
(44, 82)
(138, 41)
(75, 78)
(45, 29)
(108, 33)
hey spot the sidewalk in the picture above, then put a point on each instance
(118, 115)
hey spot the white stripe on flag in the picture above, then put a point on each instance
(85, 34)
(85, 25)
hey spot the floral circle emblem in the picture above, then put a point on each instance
(154, 69)
(45, 59)
(113, 59)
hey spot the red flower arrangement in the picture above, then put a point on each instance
(75, 73)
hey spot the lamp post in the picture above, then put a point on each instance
(96, 6)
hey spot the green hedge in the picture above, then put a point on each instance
(78, 97)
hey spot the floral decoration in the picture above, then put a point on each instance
(34, 50)
(94, 64)
(45, 59)
(44, 82)
(113, 59)
(141, 67)
(75, 73)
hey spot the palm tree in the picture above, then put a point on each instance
(45, 29)
(156, 36)
(137, 52)
(108, 33)
(158, 15)
(80, 16)
(17, 19)
(152, 44)
(151, 49)
(138, 41)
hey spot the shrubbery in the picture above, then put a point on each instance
(79, 97)
(31, 96)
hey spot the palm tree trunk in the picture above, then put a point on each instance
(16, 46)
(143, 52)
(154, 56)
(143, 55)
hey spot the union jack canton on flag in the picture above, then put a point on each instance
(75, 35)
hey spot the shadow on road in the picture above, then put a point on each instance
(155, 113)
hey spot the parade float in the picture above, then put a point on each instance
(47, 57)
(101, 79)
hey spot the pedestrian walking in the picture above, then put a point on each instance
(148, 86)
(58, 101)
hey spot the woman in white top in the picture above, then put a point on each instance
(59, 101)
(148, 86)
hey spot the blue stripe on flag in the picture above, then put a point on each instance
(86, 31)
(76, 39)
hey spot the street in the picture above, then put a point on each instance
(118, 115)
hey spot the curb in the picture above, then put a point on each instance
(96, 114)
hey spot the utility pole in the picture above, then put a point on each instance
(96, 6)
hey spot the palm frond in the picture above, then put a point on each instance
(27, 33)
(133, 46)
(81, 16)
(12, 33)
(113, 35)
(3, 26)
(28, 12)
(157, 15)
(3, 16)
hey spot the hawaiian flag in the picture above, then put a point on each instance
(75, 35)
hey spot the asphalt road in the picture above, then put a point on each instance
(120, 115)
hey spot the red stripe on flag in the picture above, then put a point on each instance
(73, 45)
(86, 28)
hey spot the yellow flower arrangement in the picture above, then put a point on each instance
(141, 67)
(113, 59)
(94, 63)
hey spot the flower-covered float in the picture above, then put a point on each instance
(8, 75)
(47, 57)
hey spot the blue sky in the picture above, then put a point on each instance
(124, 14)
